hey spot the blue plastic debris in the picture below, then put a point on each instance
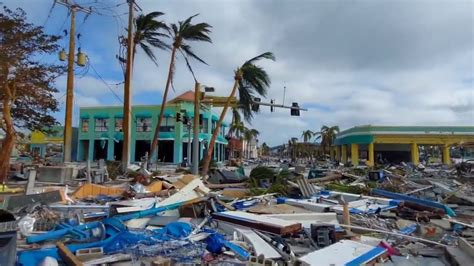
(216, 243)
(429, 203)
(410, 229)
(243, 204)
(176, 230)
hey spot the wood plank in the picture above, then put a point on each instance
(258, 222)
(67, 256)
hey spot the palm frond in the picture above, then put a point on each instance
(149, 33)
(188, 65)
(266, 55)
(187, 50)
(256, 78)
(149, 53)
(197, 32)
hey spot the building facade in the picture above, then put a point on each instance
(250, 148)
(46, 143)
(101, 132)
(397, 143)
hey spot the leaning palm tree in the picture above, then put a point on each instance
(248, 78)
(181, 33)
(307, 135)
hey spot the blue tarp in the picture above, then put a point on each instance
(429, 203)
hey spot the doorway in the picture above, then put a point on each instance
(100, 149)
(142, 148)
(166, 151)
(118, 146)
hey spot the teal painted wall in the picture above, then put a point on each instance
(111, 113)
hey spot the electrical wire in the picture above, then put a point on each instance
(49, 13)
(103, 81)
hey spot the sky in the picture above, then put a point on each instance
(349, 62)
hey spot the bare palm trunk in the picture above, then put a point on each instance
(8, 142)
(207, 158)
(154, 144)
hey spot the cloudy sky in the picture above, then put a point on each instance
(350, 62)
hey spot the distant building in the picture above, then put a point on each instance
(46, 143)
(250, 148)
(101, 132)
(234, 148)
(397, 143)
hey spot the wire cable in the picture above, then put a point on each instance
(103, 81)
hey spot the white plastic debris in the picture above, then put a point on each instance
(26, 225)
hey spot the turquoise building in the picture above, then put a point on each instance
(101, 132)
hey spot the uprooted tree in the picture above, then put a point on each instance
(26, 84)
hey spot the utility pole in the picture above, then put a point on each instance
(196, 129)
(127, 112)
(67, 150)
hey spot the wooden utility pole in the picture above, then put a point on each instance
(70, 89)
(67, 150)
(127, 105)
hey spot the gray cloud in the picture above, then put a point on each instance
(350, 61)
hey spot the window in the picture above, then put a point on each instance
(85, 125)
(204, 128)
(118, 124)
(168, 124)
(143, 124)
(101, 124)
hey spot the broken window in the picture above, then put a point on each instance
(101, 124)
(143, 124)
(85, 125)
(118, 124)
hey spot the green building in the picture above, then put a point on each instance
(101, 132)
(397, 143)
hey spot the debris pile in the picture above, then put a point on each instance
(329, 215)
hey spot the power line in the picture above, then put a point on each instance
(103, 81)
(49, 13)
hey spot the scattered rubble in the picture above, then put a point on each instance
(396, 215)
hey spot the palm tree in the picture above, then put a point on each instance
(181, 33)
(307, 135)
(328, 134)
(265, 149)
(248, 78)
(148, 34)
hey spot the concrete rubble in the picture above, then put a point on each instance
(328, 214)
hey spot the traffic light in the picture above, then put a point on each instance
(255, 105)
(178, 117)
(186, 120)
(296, 111)
(271, 107)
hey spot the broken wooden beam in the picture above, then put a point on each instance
(67, 256)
